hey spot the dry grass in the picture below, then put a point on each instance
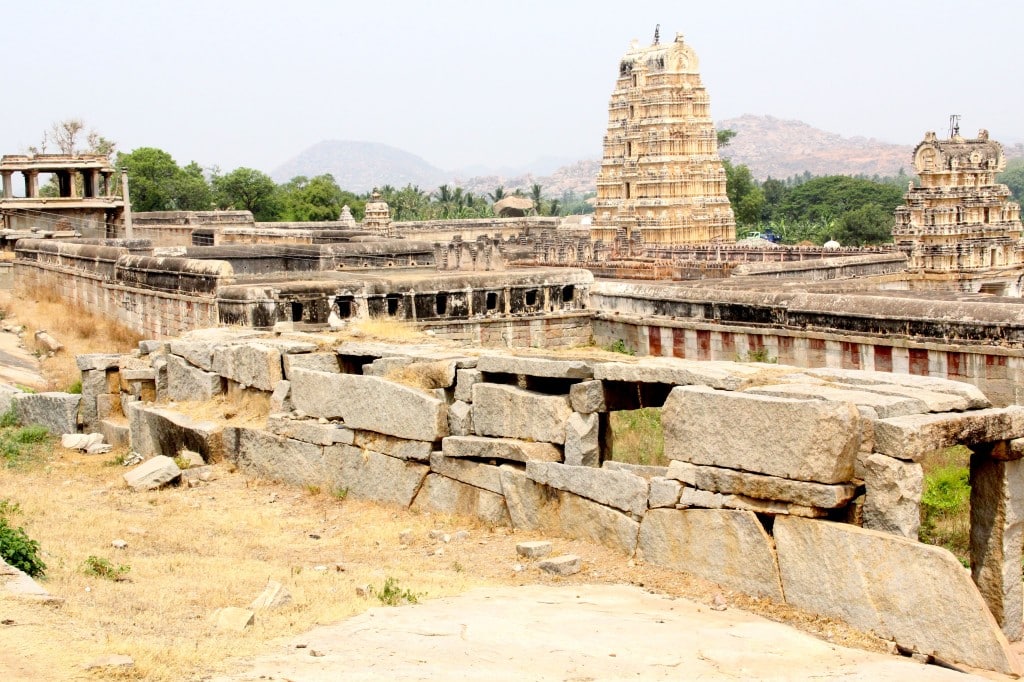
(422, 375)
(384, 329)
(638, 437)
(247, 408)
(80, 331)
(192, 550)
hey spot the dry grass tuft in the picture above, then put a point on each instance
(385, 329)
(247, 408)
(422, 375)
(81, 332)
(638, 437)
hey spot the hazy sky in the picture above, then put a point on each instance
(253, 83)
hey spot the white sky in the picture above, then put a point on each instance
(253, 83)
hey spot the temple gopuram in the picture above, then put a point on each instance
(661, 180)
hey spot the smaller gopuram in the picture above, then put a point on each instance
(84, 199)
(960, 220)
(661, 182)
(377, 216)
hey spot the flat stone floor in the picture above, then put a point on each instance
(593, 632)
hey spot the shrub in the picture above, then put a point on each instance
(102, 568)
(620, 346)
(19, 550)
(18, 445)
(393, 595)
(76, 387)
(8, 418)
(945, 510)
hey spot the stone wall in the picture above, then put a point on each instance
(802, 486)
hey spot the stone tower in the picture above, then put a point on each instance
(661, 181)
(377, 216)
(960, 219)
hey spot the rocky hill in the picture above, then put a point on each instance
(361, 166)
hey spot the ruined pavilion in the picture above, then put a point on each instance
(661, 180)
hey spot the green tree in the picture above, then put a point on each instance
(497, 195)
(315, 199)
(157, 183)
(725, 137)
(746, 197)
(248, 189)
(869, 224)
(1013, 177)
(827, 198)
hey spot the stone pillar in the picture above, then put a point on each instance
(997, 534)
(31, 184)
(8, 185)
(73, 183)
(89, 184)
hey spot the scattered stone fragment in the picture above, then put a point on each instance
(405, 537)
(119, 544)
(232, 618)
(152, 473)
(535, 549)
(565, 564)
(718, 603)
(80, 441)
(192, 458)
(364, 590)
(274, 595)
(461, 535)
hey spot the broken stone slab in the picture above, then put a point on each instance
(728, 547)
(153, 473)
(117, 434)
(619, 489)
(534, 549)
(97, 361)
(535, 367)
(729, 376)
(187, 382)
(425, 352)
(15, 582)
(508, 449)
(719, 480)
(539, 508)
(56, 412)
(804, 440)
(892, 500)
(444, 495)
(370, 403)
(249, 364)
(565, 564)
(460, 419)
(46, 341)
(152, 346)
(772, 507)
(80, 441)
(884, 405)
(160, 431)
(129, 374)
(308, 430)
(401, 448)
(190, 458)
(197, 353)
(645, 470)
(933, 400)
(274, 595)
(232, 619)
(974, 397)
(280, 399)
(198, 474)
(997, 538)
(512, 412)
(664, 492)
(702, 499)
(890, 586)
(587, 397)
(432, 373)
(370, 475)
(582, 444)
(465, 379)
(913, 436)
(321, 362)
(486, 476)
(278, 458)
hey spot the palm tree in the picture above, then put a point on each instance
(497, 195)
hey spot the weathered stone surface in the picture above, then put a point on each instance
(646, 470)
(805, 440)
(892, 501)
(198, 353)
(565, 564)
(500, 410)
(150, 346)
(997, 538)
(97, 361)
(460, 419)
(114, 433)
(187, 382)
(587, 397)
(307, 430)
(890, 586)
(279, 458)
(152, 473)
(465, 379)
(372, 476)
(321, 362)
(537, 507)
(703, 499)
(447, 496)
(534, 549)
(58, 412)
(913, 436)
(535, 367)
(727, 547)
(281, 398)
(507, 449)
(934, 401)
(370, 403)
(16, 583)
(664, 492)
(486, 476)
(885, 406)
(130, 374)
(274, 595)
(381, 367)
(158, 431)
(719, 480)
(772, 507)
(401, 448)
(250, 364)
(582, 444)
(232, 618)
(729, 376)
(974, 397)
(619, 489)
(107, 406)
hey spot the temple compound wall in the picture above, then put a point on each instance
(799, 486)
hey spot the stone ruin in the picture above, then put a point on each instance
(801, 486)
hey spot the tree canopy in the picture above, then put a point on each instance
(157, 183)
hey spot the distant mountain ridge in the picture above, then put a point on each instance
(769, 146)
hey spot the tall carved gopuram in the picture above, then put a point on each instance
(960, 219)
(661, 181)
